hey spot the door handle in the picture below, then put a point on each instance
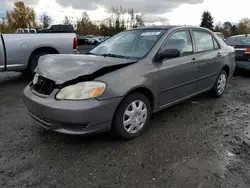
(219, 54)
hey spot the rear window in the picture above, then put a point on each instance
(68, 28)
(243, 40)
(204, 41)
(54, 27)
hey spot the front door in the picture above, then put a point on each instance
(178, 76)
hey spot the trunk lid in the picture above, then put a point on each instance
(241, 44)
(242, 52)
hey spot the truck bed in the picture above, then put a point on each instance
(17, 49)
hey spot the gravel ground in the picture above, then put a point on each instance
(200, 143)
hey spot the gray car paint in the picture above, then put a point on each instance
(16, 49)
(174, 86)
(169, 81)
(63, 116)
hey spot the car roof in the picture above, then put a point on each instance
(170, 27)
(156, 27)
(243, 35)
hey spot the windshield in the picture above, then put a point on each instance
(242, 40)
(129, 44)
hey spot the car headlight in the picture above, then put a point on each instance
(81, 90)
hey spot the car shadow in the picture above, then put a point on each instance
(109, 137)
(79, 139)
(242, 73)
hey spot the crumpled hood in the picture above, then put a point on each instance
(65, 67)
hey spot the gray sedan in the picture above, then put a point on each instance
(120, 83)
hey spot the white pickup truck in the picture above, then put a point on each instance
(21, 52)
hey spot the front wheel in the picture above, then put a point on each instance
(220, 84)
(132, 116)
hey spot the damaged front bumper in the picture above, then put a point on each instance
(70, 117)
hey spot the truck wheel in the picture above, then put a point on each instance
(132, 116)
(220, 84)
(34, 61)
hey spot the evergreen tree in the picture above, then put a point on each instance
(207, 20)
(234, 30)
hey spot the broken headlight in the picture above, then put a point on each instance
(81, 90)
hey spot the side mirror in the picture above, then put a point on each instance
(169, 53)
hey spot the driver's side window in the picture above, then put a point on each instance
(181, 41)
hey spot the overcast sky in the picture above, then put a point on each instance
(176, 11)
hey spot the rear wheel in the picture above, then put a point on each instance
(220, 84)
(132, 116)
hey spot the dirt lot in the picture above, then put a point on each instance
(201, 143)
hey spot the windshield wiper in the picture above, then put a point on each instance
(113, 55)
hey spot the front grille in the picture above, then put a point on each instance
(44, 86)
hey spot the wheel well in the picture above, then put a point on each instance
(226, 68)
(145, 92)
(48, 50)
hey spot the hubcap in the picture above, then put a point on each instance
(222, 83)
(135, 116)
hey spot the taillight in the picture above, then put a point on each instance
(247, 51)
(75, 44)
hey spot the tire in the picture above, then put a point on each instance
(139, 118)
(221, 80)
(34, 61)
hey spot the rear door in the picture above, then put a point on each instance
(208, 57)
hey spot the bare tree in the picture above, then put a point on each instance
(131, 20)
(139, 21)
(45, 19)
(21, 16)
(244, 26)
(67, 20)
(227, 25)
